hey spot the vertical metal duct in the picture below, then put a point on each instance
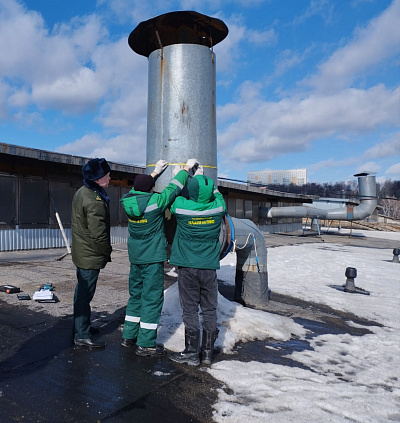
(181, 114)
(181, 109)
(181, 123)
(251, 278)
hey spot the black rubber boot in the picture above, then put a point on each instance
(190, 355)
(207, 346)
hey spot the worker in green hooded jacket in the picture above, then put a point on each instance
(147, 249)
(196, 251)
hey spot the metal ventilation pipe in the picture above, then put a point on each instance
(181, 114)
(368, 203)
(350, 286)
(351, 274)
(181, 123)
(251, 278)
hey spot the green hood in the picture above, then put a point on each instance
(201, 189)
(135, 203)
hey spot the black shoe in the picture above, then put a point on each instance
(207, 346)
(190, 355)
(207, 357)
(94, 331)
(87, 342)
(184, 357)
(150, 351)
(128, 342)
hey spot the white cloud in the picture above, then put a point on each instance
(332, 163)
(228, 52)
(288, 59)
(356, 3)
(266, 37)
(76, 67)
(255, 130)
(76, 93)
(370, 167)
(49, 68)
(36, 54)
(124, 73)
(261, 130)
(128, 148)
(216, 4)
(82, 147)
(127, 113)
(322, 8)
(83, 34)
(379, 41)
(69, 68)
(394, 170)
(135, 10)
(22, 45)
(125, 148)
(3, 100)
(19, 98)
(388, 148)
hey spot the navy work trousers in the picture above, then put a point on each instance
(84, 292)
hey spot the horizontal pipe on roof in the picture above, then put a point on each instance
(368, 204)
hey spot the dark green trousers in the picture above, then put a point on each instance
(84, 292)
(143, 311)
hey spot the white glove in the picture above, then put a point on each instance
(176, 169)
(161, 165)
(191, 163)
(199, 171)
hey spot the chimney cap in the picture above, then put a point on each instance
(179, 27)
(365, 173)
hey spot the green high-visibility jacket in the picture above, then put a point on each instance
(196, 242)
(147, 242)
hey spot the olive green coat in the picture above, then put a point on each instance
(90, 227)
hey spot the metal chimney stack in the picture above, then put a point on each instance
(181, 113)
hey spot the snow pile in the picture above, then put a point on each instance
(341, 377)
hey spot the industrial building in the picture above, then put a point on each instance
(35, 183)
(278, 177)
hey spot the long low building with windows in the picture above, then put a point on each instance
(34, 184)
(279, 177)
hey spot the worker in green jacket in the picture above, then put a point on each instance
(147, 249)
(196, 251)
(91, 245)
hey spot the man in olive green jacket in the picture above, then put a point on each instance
(147, 248)
(91, 246)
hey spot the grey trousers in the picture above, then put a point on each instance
(198, 287)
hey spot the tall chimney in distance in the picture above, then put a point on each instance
(181, 111)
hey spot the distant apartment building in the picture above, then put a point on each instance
(279, 177)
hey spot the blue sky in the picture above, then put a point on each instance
(309, 84)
